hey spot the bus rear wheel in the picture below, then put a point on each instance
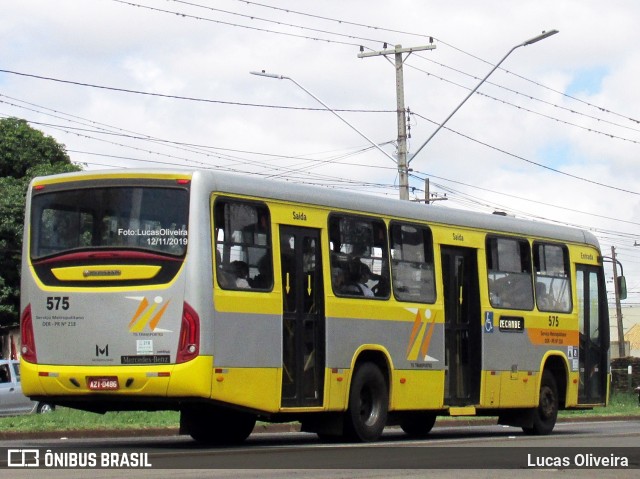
(216, 426)
(366, 415)
(545, 415)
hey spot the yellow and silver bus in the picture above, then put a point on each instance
(232, 299)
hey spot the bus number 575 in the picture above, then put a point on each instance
(57, 302)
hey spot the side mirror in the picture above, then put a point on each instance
(622, 287)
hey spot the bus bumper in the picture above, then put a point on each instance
(190, 379)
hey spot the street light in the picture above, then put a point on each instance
(282, 77)
(542, 36)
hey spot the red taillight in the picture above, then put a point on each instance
(189, 345)
(27, 338)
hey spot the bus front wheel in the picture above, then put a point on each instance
(368, 404)
(545, 415)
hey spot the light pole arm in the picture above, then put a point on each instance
(528, 42)
(282, 77)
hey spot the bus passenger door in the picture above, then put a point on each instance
(593, 323)
(462, 333)
(303, 317)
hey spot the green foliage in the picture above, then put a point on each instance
(23, 147)
(24, 153)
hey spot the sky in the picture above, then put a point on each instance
(553, 135)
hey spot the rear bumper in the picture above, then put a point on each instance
(190, 379)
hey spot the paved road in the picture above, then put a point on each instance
(295, 455)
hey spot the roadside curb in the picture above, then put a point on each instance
(259, 429)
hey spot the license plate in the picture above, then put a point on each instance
(107, 383)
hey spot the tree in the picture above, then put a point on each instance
(24, 154)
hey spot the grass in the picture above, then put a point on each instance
(620, 404)
(64, 419)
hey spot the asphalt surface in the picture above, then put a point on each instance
(260, 428)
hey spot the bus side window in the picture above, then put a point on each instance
(509, 271)
(243, 245)
(359, 257)
(412, 263)
(553, 288)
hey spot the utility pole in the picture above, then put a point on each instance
(427, 194)
(403, 170)
(621, 350)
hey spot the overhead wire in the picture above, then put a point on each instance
(521, 158)
(272, 106)
(558, 171)
(537, 113)
(447, 44)
(86, 133)
(231, 24)
(180, 97)
(110, 130)
(430, 37)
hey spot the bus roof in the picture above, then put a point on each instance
(224, 182)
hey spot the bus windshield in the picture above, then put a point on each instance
(148, 218)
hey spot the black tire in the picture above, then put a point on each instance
(366, 415)
(417, 424)
(216, 426)
(545, 415)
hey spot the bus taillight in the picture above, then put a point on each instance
(189, 344)
(27, 338)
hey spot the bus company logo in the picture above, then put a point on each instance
(102, 351)
(148, 313)
(23, 458)
(88, 273)
(421, 334)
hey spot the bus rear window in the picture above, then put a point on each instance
(148, 218)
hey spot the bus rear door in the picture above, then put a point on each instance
(462, 326)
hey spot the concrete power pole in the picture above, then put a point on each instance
(403, 170)
(621, 350)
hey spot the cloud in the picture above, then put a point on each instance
(208, 54)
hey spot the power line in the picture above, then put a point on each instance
(237, 25)
(344, 22)
(511, 90)
(178, 97)
(537, 202)
(255, 18)
(315, 109)
(125, 133)
(521, 158)
(528, 110)
(289, 171)
(443, 42)
(186, 98)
